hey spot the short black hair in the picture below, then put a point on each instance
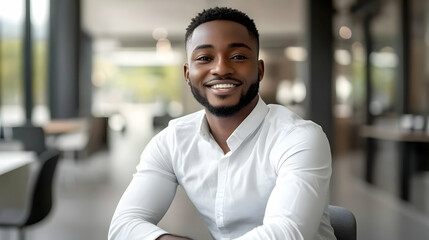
(222, 13)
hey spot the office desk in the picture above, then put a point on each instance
(11, 160)
(56, 127)
(408, 141)
(15, 174)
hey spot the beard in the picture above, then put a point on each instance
(227, 111)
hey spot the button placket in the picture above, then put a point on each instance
(220, 194)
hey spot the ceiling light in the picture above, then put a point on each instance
(163, 45)
(297, 54)
(345, 32)
(342, 57)
(159, 33)
(343, 88)
(299, 91)
(284, 92)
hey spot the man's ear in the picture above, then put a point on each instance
(186, 72)
(261, 69)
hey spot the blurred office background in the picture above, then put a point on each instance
(101, 77)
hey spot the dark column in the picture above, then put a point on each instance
(407, 159)
(369, 117)
(85, 89)
(28, 71)
(404, 58)
(407, 167)
(320, 57)
(64, 58)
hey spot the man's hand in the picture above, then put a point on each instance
(172, 237)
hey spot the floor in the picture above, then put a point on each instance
(379, 214)
(88, 190)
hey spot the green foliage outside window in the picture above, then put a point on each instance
(11, 71)
(40, 59)
(145, 83)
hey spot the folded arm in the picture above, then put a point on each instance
(146, 199)
(141, 207)
(300, 196)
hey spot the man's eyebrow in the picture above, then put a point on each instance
(236, 45)
(202, 46)
(232, 45)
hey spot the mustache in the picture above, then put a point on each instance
(223, 78)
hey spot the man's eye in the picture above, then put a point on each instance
(239, 57)
(203, 59)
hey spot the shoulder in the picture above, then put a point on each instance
(285, 121)
(290, 135)
(190, 122)
(182, 127)
(189, 119)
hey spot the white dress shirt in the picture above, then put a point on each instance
(272, 184)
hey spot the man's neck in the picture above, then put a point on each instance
(221, 128)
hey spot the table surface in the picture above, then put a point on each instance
(11, 160)
(64, 126)
(394, 134)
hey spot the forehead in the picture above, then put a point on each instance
(218, 33)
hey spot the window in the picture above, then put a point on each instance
(11, 60)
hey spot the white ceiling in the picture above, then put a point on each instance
(134, 20)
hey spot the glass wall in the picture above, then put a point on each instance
(349, 78)
(12, 14)
(40, 24)
(11, 61)
(385, 30)
(371, 33)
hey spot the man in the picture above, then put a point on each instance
(253, 171)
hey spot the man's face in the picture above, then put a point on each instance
(223, 70)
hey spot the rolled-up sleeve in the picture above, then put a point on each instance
(147, 197)
(300, 197)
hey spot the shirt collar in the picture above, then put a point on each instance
(204, 128)
(248, 126)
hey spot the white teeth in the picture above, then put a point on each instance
(223, 85)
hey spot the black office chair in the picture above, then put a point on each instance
(40, 194)
(344, 223)
(32, 137)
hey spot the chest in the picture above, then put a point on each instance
(230, 187)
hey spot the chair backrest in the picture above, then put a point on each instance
(33, 138)
(344, 223)
(97, 135)
(41, 202)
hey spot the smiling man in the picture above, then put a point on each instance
(253, 171)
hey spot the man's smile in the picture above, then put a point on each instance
(223, 86)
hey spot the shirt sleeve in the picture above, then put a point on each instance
(300, 196)
(147, 197)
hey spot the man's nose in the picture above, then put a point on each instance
(222, 67)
